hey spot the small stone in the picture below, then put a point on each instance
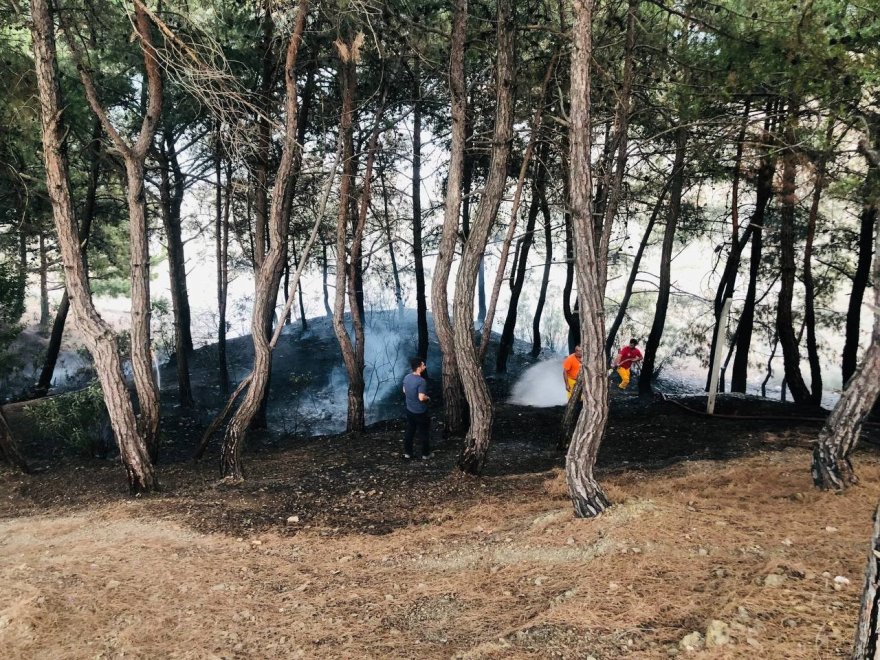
(292, 520)
(787, 543)
(798, 497)
(751, 641)
(613, 586)
(672, 651)
(389, 597)
(830, 529)
(841, 580)
(790, 623)
(570, 540)
(717, 634)
(112, 584)
(720, 573)
(774, 580)
(742, 613)
(703, 552)
(691, 642)
(345, 559)
(539, 580)
(826, 574)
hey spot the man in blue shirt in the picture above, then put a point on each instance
(417, 419)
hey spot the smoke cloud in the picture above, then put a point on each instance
(540, 386)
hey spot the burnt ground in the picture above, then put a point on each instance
(335, 547)
(341, 484)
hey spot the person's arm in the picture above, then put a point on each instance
(423, 397)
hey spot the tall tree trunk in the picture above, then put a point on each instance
(97, 335)
(171, 201)
(454, 406)
(418, 265)
(85, 228)
(867, 633)
(809, 284)
(134, 156)
(675, 193)
(514, 215)
(634, 269)
(867, 221)
(585, 492)
(545, 278)
(784, 323)
(727, 284)
(269, 276)
(476, 445)
(355, 418)
(763, 192)
(221, 232)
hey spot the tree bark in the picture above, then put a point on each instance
(355, 419)
(784, 322)
(395, 271)
(44, 383)
(454, 406)
(97, 335)
(269, 275)
(675, 193)
(476, 445)
(867, 632)
(586, 495)
(44, 284)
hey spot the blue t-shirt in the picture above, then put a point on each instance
(413, 385)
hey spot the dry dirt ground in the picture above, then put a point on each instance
(335, 548)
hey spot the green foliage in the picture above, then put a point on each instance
(76, 419)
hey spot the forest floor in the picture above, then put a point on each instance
(335, 547)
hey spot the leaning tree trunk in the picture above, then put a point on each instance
(454, 407)
(134, 156)
(763, 194)
(545, 278)
(675, 192)
(269, 275)
(791, 357)
(831, 466)
(867, 221)
(514, 215)
(586, 494)
(476, 445)
(85, 227)
(97, 335)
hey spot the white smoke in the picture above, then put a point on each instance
(540, 386)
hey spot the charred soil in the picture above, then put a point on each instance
(335, 546)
